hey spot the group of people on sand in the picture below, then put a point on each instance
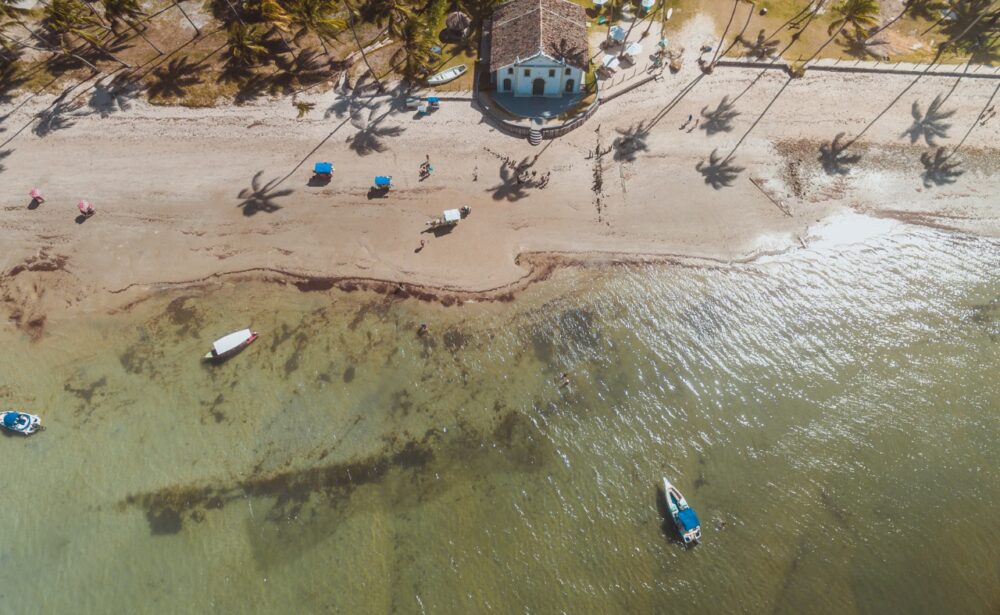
(86, 207)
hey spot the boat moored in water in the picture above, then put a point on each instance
(20, 422)
(683, 515)
(228, 345)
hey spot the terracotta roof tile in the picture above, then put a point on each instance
(522, 28)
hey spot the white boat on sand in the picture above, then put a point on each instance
(447, 75)
(228, 345)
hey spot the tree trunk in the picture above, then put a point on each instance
(878, 30)
(183, 12)
(725, 32)
(94, 12)
(611, 20)
(649, 24)
(145, 38)
(364, 56)
(824, 45)
(49, 50)
(236, 13)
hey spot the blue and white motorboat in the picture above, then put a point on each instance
(20, 422)
(684, 516)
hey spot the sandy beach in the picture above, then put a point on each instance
(188, 195)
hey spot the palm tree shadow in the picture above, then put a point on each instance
(631, 142)
(834, 157)
(173, 80)
(114, 95)
(930, 125)
(721, 118)
(251, 86)
(858, 44)
(761, 48)
(260, 198)
(510, 187)
(718, 172)
(59, 116)
(371, 135)
(10, 79)
(302, 71)
(3, 154)
(938, 171)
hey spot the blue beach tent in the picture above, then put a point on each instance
(323, 168)
(383, 181)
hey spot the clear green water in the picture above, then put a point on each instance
(832, 414)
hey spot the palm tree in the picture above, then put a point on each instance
(610, 7)
(315, 16)
(653, 12)
(862, 14)
(761, 48)
(246, 43)
(478, 10)
(11, 12)
(416, 46)
(711, 65)
(70, 18)
(128, 13)
(970, 24)
(393, 14)
(272, 14)
(9, 42)
(351, 17)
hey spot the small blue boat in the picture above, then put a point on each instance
(20, 422)
(684, 516)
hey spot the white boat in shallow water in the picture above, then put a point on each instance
(228, 345)
(20, 422)
(447, 75)
(683, 515)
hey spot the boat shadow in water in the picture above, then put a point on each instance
(666, 520)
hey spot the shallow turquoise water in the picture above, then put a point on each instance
(832, 414)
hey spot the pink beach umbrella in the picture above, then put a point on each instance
(85, 207)
(36, 195)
